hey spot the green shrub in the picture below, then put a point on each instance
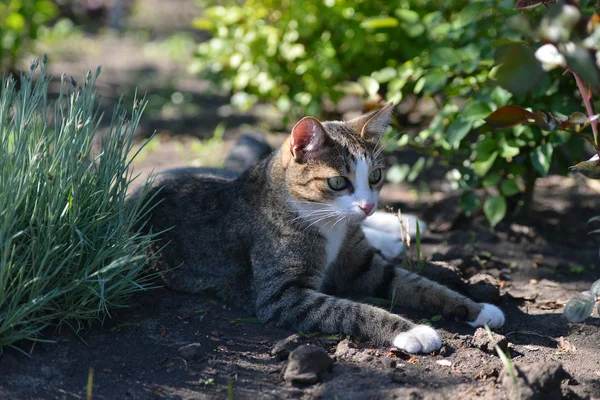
(469, 58)
(20, 21)
(67, 254)
(296, 53)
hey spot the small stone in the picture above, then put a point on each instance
(230, 343)
(539, 381)
(343, 349)
(482, 341)
(389, 363)
(305, 365)
(363, 357)
(191, 351)
(399, 376)
(483, 288)
(282, 348)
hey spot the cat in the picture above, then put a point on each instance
(284, 239)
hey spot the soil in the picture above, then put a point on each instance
(539, 264)
(171, 345)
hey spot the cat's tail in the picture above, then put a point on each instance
(247, 151)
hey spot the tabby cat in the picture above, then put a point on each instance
(284, 239)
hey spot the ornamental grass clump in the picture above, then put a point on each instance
(68, 252)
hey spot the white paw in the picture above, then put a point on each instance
(420, 339)
(388, 222)
(389, 245)
(490, 315)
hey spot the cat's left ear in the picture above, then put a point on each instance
(307, 139)
(372, 125)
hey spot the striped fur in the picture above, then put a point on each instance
(258, 241)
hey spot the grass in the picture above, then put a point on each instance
(508, 365)
(67, 251)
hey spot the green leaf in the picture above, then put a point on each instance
(385, 75)
(370, 84)
(541, 157)
(475, 111)
(508, 116)
(487, 145)
(398, 173)
(577, 118)
(491, 179)
(403, 141)
(469, 203)
(469, 14)
(483, 166)
(518, 70)
(580, 307)
(379, 22)
(436, 318)
(509, 187)
(432, 83)
(416, 169)
(580, 61)
(409, 16)
(494, 209)
(444, 57)
(457, 131)
(509, 149)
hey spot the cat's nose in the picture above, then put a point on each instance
(367, 208)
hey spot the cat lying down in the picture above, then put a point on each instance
(382, 229)
(296, 236)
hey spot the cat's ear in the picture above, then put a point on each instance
(307, 138)
(372, 125)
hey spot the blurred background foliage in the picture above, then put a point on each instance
(446, 64)
(463, 59)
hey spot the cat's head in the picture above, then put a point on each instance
(333, 169)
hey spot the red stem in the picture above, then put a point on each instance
(589, 106)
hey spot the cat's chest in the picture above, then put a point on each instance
(334, 238)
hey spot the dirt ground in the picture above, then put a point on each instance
(538, 265)
(532, 266)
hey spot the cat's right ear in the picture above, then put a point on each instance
(307, 139)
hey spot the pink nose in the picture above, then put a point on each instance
(367, 208)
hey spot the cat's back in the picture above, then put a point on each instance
(205, 242)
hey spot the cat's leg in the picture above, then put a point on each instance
(288, 297)
(361, 270)
(311, 311)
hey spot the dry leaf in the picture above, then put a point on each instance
(484, 375)
(550, 305)
(565, 346)
(413, 360)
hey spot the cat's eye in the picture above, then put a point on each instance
(375, 176)
(338, 182)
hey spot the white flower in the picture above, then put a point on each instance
(550, 57)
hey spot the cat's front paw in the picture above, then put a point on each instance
(489, 315)
(420, 339)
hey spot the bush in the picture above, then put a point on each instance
(20, 21)
(297, 53)
(66, 251)
(468, 58)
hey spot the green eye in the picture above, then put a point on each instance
(337, 182)
(375, 176)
